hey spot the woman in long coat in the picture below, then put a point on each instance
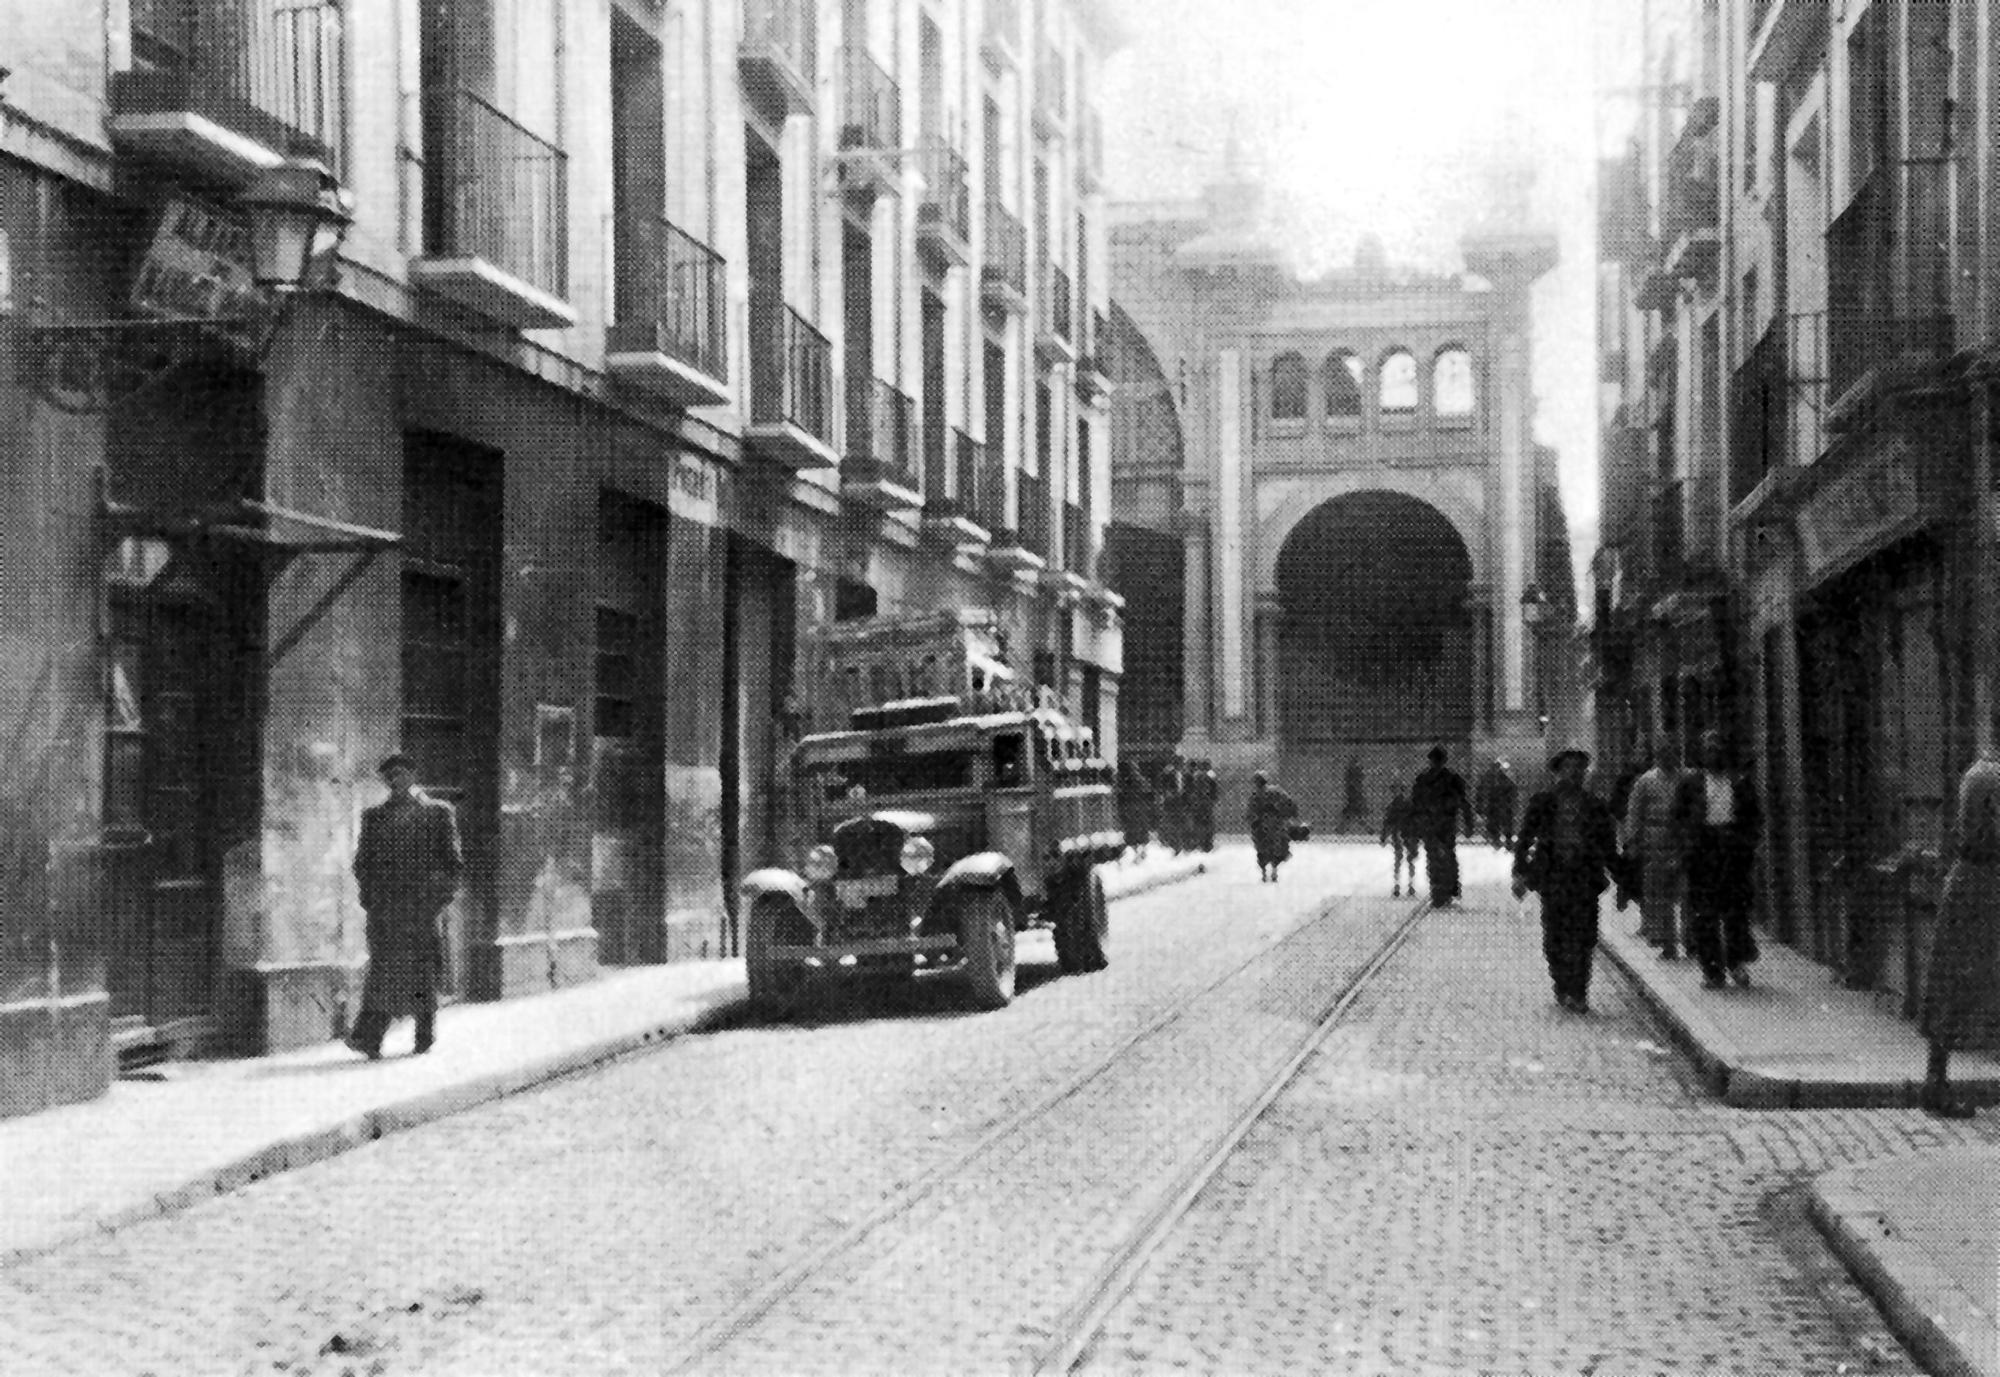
(1135, 806)
(1961, 1000)
(1270, 817)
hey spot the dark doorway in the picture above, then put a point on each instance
(759, 593)
(932, 343)
(451, 672)
(628, 725)
(181, 786)
(1149, 569)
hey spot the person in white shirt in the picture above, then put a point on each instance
(1718, 819)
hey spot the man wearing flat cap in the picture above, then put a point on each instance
(1565, 853)
(408, 864)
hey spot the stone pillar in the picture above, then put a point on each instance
(1197, 663)
(1270, 616)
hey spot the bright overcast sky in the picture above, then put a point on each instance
(1383, 116)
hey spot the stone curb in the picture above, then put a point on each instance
(369, 1126)
(1723, 1068)
(1929, 1312)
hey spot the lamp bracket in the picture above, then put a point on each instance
(93, 365)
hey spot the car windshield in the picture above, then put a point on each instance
(882, 776)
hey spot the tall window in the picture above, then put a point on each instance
(1288, 388)
(1343, 385)
(1451, 382)
(1399, 383)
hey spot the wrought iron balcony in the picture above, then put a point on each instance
(871, 125)
(668, 312)
(1025, 546)
(954, 465)
(1889, 277)
(1778, 403)
(1003, 277)
(229, 88)
(791, 386)
(1055, 334)
(777, 57)
(1000, 35)
(1090, 150)
(496, 214)
(1093, 372)
(1051, 108)
(944, 219)
(881, 468)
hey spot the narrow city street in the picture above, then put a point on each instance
(1460, 1179)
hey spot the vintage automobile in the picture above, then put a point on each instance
(937, 832)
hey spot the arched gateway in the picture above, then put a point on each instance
(1374, 644)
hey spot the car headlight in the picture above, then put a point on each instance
(918, 855)
(821, 864)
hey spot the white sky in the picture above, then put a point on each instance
(1383, 116)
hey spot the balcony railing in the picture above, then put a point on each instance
(271, 71)
(670, 294)
(947, 205)
(1076, 540)
(791, 375)
(1889, 267)
(1003, 21)
(1061, 317)
(871, 105)
(1006, 265)
(499, 193)
(976, 471)
(777, 56)
(1032, 524)
(1051, 86)
(1778, 402)
(882, 432)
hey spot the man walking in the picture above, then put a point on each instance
(1354, 807)
(1207, 789)
(1718, 817)
(1651, 836)
(408, 864)
(1506, 794)
(1565, 853)
(1438, 799)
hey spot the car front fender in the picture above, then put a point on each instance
(759, 884)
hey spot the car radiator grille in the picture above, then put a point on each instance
(877, 920)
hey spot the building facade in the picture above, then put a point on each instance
(664, 335)
(1333, 527)
(1797, 324)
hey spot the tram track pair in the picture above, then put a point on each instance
(1078, 1325)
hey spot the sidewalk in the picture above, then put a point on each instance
(1795, 1039)
(179, 1134)
(1920, 1232)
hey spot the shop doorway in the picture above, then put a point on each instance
(180, 789)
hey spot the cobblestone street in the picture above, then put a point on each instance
(1461, 1180)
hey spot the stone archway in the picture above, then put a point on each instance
(1375, 645)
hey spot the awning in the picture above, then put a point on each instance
(274, 529)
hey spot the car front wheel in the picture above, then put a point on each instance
(986, 937)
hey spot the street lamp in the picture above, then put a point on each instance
(207, 284)
(299, 212)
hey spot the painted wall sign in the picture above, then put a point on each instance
(1875, 502)
(697, 490)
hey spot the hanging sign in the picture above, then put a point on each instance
(199, 266)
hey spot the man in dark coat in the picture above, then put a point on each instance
(1567, 847)
(1718, 818)
(1438, 800)
(1207, 788)
(1354, 808)
(408, 863)
(1506, 794)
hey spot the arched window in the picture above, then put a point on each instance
(1343, 385)
(1399, 382)
(1288, 388)
(1452, 389)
